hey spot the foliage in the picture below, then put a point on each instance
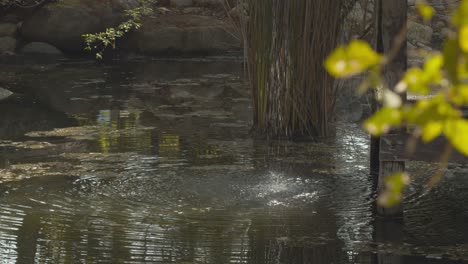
(102, 40)
(444, 76)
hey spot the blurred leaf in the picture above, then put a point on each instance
(459, 94)
(456, 130)
(425, 10)
(461, 15)
(393, 191)
(383, 120)
(353, 59)
(431, 130)
(414, 81)
(450, 50)
(391, 99)
(432, 69)
(463, 38)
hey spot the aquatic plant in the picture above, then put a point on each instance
(285, 45)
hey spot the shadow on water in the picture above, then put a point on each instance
(152, 161)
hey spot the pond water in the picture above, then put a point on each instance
(152, 161)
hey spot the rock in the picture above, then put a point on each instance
(181, 34)
(11, 18)
(181, 3)
(4, 93)
(7, 29)
(7, 45)
(192, 10)
(40, 48)
(210, 2)
(445, 32)
(62, 24)
(440, 25)
(237, 12)
(419, 33)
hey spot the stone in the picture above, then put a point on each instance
(11, 18)
(181, 34)
(7, 29)
(237, 12)
(210, 2)
(192, 10)
(63, 24)
(440, 25)
(40, 48)
(4, 93)
(7, 45)
(445, 32)
(419, 33)
(181, 3)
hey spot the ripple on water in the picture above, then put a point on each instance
(160, 168)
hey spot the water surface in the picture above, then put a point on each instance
(152, 161)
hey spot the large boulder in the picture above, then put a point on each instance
(7, 29)
(40, 48)
(181, 3)
(62, 24)
(7, 45)
(182, 34)
(419, 33)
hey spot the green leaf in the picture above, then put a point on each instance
(425, 10)
(456, 130)
(393, 191)
(463, 38)
(415, 82)
(353, 59)
(383, 120)
(432, 69)
(431, 130)
(459, 94)
(461, 15)
(451, 59)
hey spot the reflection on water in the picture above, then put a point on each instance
(152, 161)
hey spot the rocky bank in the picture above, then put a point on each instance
(177, 26)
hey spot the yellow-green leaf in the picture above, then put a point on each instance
(353, 59)
(459, 94)
(463, 38)
(461, 15)
(432, 69)
(393, 191)
(382, 121)
(456, 130)
(415, 81)
(425, 10)
(431, 130)
(451, 59)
